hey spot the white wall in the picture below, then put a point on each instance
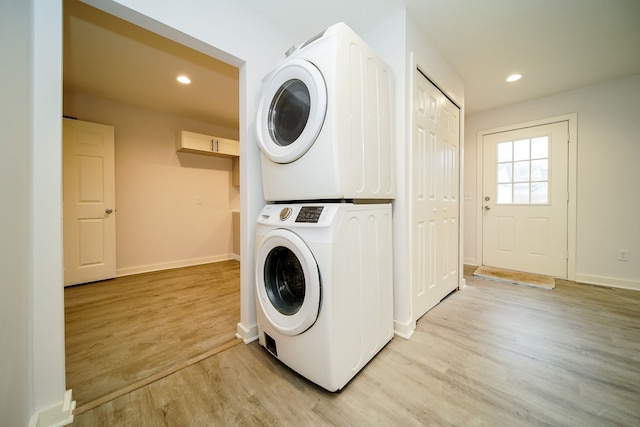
(608, 201)
(46, 320)
(173, 209)
(397, 40)
(15, 112)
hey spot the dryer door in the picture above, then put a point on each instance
(291, 111)
(287, 282)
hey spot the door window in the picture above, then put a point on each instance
(284, 280)
(523, 171)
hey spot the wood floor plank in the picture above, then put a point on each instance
(491, 354)
(123, 331)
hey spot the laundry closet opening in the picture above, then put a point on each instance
(323, 258)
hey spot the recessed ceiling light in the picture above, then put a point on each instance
(184, 79)
(514, 77)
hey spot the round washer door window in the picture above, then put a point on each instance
(291, 111)
(288, 282)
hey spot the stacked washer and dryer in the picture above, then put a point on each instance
(324, 272)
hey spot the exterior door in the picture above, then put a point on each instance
(435, 168)
(89, 220)
(525, 189)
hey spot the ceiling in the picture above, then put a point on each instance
(107, 57)
(557, 45)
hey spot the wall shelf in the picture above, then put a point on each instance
(197, 143)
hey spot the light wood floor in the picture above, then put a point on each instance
(125, 332)
(492, 354)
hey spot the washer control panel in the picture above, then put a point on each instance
(309, 214)
(300, 215)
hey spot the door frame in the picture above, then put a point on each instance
(572, 119)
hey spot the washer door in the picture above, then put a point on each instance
(291, 111)
(287, 282)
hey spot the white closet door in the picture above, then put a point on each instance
(435, 172)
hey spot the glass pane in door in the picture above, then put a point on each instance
(523, 171)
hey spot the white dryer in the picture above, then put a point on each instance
(324, 292)
(324, 122)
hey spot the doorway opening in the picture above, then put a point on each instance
(170, 206)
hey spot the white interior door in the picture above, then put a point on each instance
(435, 171)
(525, 193)
(89, 223)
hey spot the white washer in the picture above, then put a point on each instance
(324, 293)
(324, 122)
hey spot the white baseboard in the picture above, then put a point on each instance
(56, 416)
(171, 264)
(404, 330)
(610, 282)
(469, 261)
(247, 334)
(235, 256)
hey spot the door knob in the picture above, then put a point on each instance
(486, 208)
(108, 211)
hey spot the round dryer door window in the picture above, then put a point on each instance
(291, 111)
(288, 282)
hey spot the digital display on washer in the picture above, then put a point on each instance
(309, 214)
